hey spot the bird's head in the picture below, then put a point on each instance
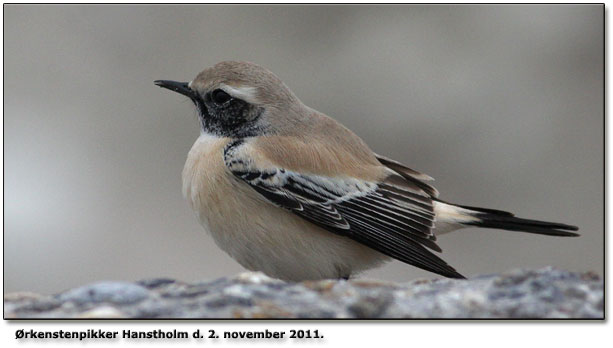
(239, 99)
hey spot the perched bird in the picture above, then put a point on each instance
(287, 190)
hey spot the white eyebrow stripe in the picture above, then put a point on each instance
(246, 93)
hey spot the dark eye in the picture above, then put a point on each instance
(219, 97)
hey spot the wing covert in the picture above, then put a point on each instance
(394, 217)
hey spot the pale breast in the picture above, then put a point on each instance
(258, 234)
(204, 177)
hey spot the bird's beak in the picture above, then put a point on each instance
(179, 87)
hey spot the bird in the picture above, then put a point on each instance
(290, 192)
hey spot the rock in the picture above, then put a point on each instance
(102, 312)
(543, 293)
(113, 292)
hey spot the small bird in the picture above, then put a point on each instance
(290, 192)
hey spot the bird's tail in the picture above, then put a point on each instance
(483, 217)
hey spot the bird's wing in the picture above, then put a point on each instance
(409, 174)
(393, 216)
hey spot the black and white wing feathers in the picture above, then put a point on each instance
(395, 217)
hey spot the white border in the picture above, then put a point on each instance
(512, 334)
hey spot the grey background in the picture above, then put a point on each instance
(503, 105)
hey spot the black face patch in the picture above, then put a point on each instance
(233, 118)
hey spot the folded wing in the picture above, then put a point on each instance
(394, 217)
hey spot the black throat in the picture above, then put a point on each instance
(237, 119)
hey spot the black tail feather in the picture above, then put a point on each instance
(506, 221)
(486, 210)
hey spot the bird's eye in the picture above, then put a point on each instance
(219, 97)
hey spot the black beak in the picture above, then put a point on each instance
(179, 87)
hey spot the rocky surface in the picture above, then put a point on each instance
(543, 293)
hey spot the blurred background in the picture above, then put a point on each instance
(503, 105)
